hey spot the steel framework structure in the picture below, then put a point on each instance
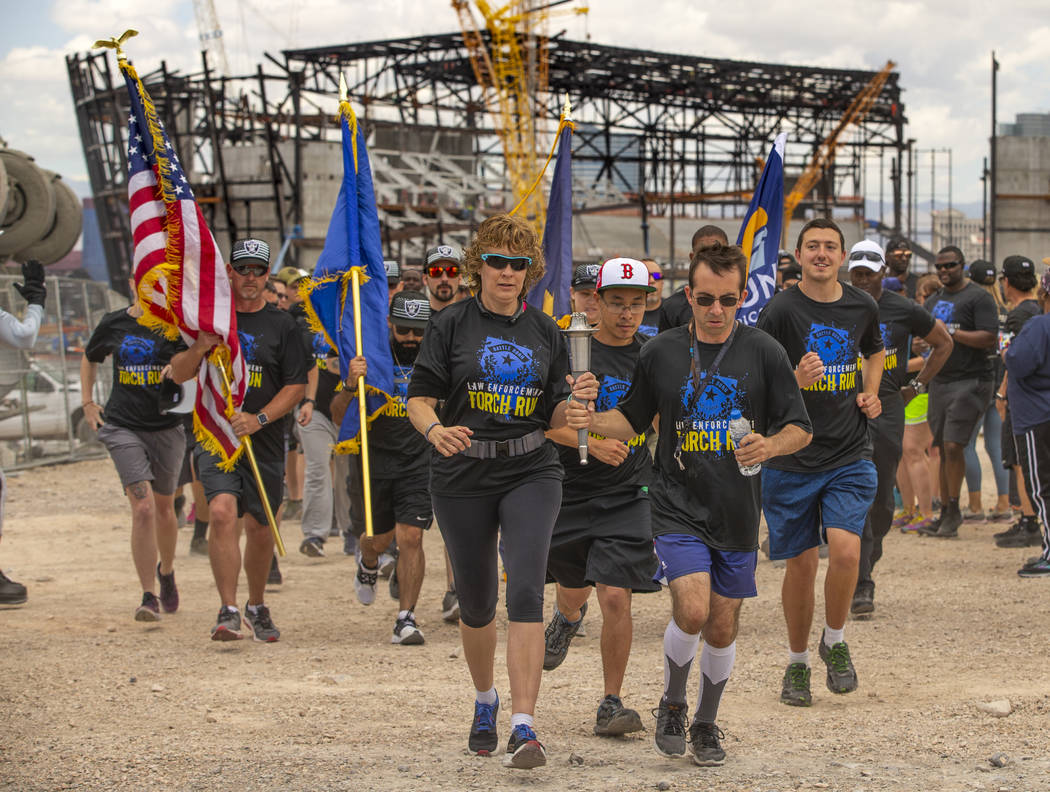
(660, 133)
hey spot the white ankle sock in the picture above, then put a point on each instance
(799, 657)
(520, 719)
(486, 696)
(832, 637)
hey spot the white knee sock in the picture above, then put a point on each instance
(679, 650)
(715, 666)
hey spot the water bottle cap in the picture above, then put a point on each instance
(735, 414)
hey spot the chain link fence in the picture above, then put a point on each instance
(41, 418)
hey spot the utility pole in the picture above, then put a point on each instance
(993, 175)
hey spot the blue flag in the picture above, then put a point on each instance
(551, 292)
(760, 234)
(353, 243)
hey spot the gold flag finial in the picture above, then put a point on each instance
(566, 109)
(115, 43)
(343, 91)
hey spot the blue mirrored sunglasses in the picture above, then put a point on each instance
(499, 261)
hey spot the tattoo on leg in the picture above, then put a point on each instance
(140, 489)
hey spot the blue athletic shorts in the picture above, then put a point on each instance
(732, 571)
(800, 507)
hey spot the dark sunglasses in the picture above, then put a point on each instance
(948, 265)
(256, 270)
(499, 261)
(452, 270)
(402, 330)
(865, 255)
(707, 300)
(656, 276)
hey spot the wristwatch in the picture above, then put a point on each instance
(918, 387)
(1001, 396)
(308, 400)
(263, 420)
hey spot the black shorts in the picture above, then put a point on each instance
(404, 500)
(956, 408)
(240, 482)
(604, 540)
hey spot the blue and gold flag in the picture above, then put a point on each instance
(760, 234)
(551, 292)
(353, 243)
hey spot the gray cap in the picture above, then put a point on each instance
(410, 309)
(251, 249)
(586, 275)
(444, 253)
(393, 269)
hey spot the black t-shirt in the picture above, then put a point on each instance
(1017, 317)
(710, 498)
(614, 367)
(652, 322)
(840, 332)
(676, 311)
(900, 320)
(970, 308)
(273, 349)
(400, 449)
(319, 353)
(910, 282)
(499, 376)
(139, 355)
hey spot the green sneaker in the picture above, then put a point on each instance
(842, 676)
(796, 686)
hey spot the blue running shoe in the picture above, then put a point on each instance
(483, 739)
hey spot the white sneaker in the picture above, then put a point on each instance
(387, 564)
(365, 584)
(406, 632)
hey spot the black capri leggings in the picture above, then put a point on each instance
(471, 529)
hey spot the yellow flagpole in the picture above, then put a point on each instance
(247, 443)
(362, 404)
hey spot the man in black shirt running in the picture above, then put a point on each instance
(705, 513)
(273, 350)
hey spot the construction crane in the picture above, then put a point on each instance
(210, 33)
(513, 79)
(825, 155)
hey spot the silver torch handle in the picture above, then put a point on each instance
(581, 434)
(578, 334)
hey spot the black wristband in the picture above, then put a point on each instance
(308, 399)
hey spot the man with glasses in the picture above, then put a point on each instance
(901, 320)
(276, 362)
(602, 537)
(822, 493)
(898, 260)
(704, 512)
(963, 388)
(399, 462)
(653, 318)
(442, 275)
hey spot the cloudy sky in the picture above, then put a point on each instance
(942, 50)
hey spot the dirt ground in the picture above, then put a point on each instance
(94, 700)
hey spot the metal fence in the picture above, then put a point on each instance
(41, 418)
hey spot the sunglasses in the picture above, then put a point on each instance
(256, 270)
(948, 265)
(499, 261)
(452, 270)
(402, 330)
(656, 276)
(707, 300)
(865, 255)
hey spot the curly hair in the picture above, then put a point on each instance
(510, 233)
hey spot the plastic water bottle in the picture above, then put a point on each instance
(739, 428)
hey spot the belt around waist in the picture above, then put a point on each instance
(516, 446)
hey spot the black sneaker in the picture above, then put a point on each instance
(524, 750)
(707, 750)
(450, 607)
(949, 525)
(1037, 567)
(615, 719)
(11, 593)
(406, 632)
(395, 587)
(556, 639)
(349, 544)
(483, 739)
(1013, 529)
(227, 626)
(312, 546)
(795, 689)
(842, 676)
(1027, 535)
(863, 604)
(932, 526)
(149, 610)
(169, 592)
(275, 578)
(261, 624)
(669, 738)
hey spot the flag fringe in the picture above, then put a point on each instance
(212, 445)
(306, 288)
(352, 445)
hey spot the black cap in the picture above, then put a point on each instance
(250, 249)
(1017, 265)
(410, 309)
(982, 272)
(585, 276)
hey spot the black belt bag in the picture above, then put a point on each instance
(516, 446)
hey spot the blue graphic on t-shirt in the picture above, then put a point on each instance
(706, 428)
(249, 346)
(510, 381)
(321, 349)
(610, 392)
(944, 311)
(137, 351)
(832, 344)
(506, 362)
(884, 332)
(648, 330)
(402, 374)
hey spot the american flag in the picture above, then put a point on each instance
(179, 273)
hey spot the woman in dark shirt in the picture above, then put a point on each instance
(501, 369)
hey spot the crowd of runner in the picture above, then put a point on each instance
(862, 385)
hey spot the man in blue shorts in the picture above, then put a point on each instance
(823, 492)
(705, 513)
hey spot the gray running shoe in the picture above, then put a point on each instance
(556, 639)
(11, 593)
(450, 607)
(395, 587)
(387, 564)
(312, 546)
(1037, 567)
(228, 626)
(615, 719)
(842, 676)
(261, 624)
(707, 750)
(199, 545)
(365, 584)
(406, 632)
(669, 738)
(293, 510)
(149, 610)
(795, 690)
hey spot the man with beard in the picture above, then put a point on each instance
(442, 275)
(399, 461)
(898, 260)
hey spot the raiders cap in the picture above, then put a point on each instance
(250, 249)
(410, 309)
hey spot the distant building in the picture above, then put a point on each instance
(1022, 189)
(1027, 125)
(952, 227)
